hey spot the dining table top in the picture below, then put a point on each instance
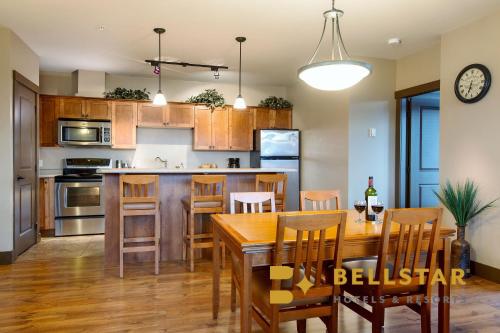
(249, 230)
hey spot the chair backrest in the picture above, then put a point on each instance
(319, 200)
(208, 189)
(313, 253)
(252, 199)
(276, 183)
(414, 241)
(139, 189)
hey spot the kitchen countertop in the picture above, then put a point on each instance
(192, 170)
(49, 173)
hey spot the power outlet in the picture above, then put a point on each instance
(372, 132)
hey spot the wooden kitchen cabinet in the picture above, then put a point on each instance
(282, 118)
(180, 115)
(149, 115)
(123, 124)
(71, 107)
(46, 206)
(211, 129)
(49, 106)
(97, 109)
(262, 118)
(240, 129)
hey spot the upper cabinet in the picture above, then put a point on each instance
(48, 121)
(173, 115)
(149, 115)
(269, 118)
(123, 124)
(211, 131)
(84, 108)
(240, 129)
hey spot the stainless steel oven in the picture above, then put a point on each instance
(79, 197)
(84, 132)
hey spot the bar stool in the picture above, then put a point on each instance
(319, 200)
(139, 196)
(208, 196)
(273, 183)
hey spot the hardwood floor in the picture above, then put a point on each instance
(53, 289)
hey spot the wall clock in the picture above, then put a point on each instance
(472, 83)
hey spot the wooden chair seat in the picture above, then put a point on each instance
(186, 202)
(261, 286)
(138, 206)
(365, 265)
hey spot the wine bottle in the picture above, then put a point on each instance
(371, 198)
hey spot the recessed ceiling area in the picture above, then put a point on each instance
(281, 34)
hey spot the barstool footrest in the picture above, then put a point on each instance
(139, 239)
(129, 249)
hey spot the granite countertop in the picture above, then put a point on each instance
(192, 170)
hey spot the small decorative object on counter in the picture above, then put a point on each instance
(210, 97)
(275, 103)
(463, 204)
(118, 164)
(233, 162)
(123, 93)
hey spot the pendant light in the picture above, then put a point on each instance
(239, 103)
(340, 72)
(159, 99)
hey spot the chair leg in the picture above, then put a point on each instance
(191, 242)
(184, 234)
(233, 293)
(425, 317)
(333, 320)
(378, 318)
(157, 243)
(301, 326)
(121, 244)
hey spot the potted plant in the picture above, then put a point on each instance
(210, 97)
(123, 93)
(463, 203)
(275, 103)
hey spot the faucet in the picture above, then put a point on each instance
(165, 162)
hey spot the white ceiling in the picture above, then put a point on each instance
(281, 33)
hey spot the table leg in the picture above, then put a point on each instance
(246, 294)
(444, 289)
(216, 275)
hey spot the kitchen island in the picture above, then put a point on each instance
(174, 185)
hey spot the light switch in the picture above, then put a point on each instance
(40, 163)
(372, 132)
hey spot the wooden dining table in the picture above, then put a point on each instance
(251, 238)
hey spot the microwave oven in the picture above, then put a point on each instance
(73, 132)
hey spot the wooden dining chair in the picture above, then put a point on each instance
(139, 196)
(416, 247)
(208, 196)
(253, 200)
(256, 202)
(276, 183)
(319, 200)
(322, 299)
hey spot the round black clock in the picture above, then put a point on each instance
(472, 83)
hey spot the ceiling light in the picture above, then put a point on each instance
(394, 41)
(159, 99)
(239, 103)
(339, 72)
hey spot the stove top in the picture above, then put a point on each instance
(83, 169)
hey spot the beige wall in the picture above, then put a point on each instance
(15, 55)
(470, 132)
(336, 150)
(419, 68)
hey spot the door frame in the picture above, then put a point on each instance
(399, 96)
(19, 78)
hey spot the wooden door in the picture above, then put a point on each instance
(97, 109)
(149, 115)
(424, 151)
(123, 125)
(48, 121)
(282, 119)
(25, 164)
(180, 115)
(203, 128)
(220, 129)
(240, 130)
(73, 108)
(262, 118)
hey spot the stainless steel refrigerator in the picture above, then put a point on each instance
(280, 148)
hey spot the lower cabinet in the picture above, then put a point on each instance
(46, 206)
(123, 125)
